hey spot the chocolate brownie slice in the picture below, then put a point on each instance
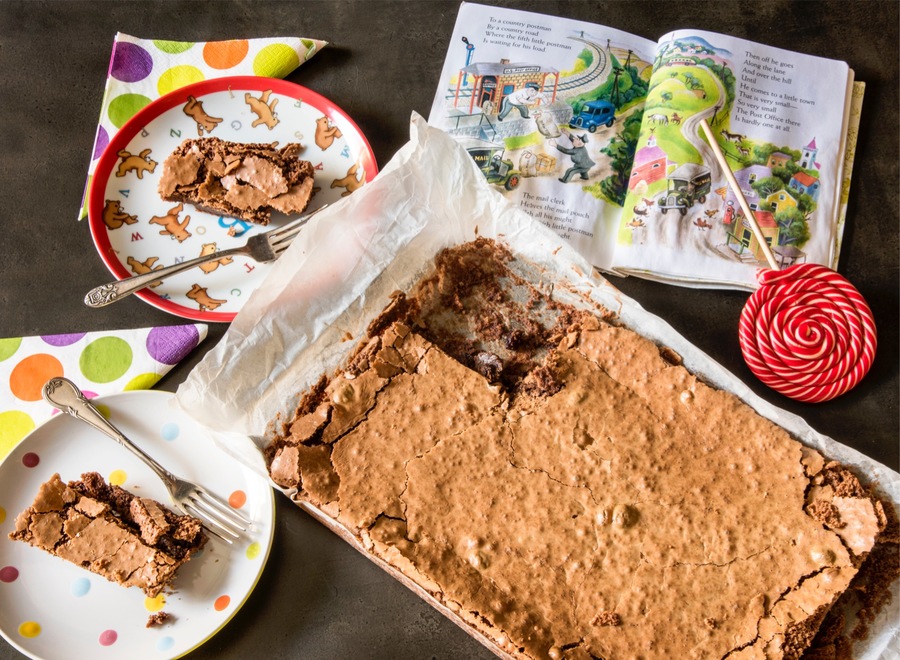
(130, 540)
(246, 181)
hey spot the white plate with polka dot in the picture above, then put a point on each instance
(50, 608)
(135, 230)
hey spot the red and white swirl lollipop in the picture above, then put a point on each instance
(806, 332)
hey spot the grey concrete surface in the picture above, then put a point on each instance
(317, 597)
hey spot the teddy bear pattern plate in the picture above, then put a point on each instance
(136, 231)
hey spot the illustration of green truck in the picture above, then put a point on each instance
(686, 185)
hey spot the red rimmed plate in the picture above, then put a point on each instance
(124, 195)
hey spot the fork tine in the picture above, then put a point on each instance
(278, 248)
(284, 240)
(211, 519)
(188, 508)
(212, 531)
(282, 243)
(294, 226)
(224, 508)
(218, 515)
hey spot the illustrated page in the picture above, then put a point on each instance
(781, 120)
(550, 111)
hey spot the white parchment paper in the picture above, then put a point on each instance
(319, 297)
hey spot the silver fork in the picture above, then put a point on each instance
(261, 248)
(216, 515)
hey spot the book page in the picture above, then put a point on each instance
(856, 99)
(781, 119)
(549, 109)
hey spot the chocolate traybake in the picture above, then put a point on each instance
(567, 489)
(129, 540)
(246, 181)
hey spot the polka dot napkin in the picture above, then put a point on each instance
(98, 362)
(142, 70)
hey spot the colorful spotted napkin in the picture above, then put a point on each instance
(142, 70)
(98, 362)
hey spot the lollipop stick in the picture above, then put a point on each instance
(806, 331)
(748, 213)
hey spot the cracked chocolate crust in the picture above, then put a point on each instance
(247, 181)
(103, 528)
(158, 619)
(568, 489)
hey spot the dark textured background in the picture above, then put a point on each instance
(317, 597)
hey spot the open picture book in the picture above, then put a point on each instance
(596, 133)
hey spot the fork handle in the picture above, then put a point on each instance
(106, 294)
(66, 396)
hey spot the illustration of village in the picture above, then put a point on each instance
(627, 131)
(676, 174)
